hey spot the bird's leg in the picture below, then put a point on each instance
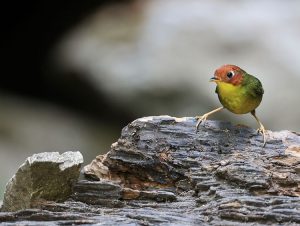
(204, 117)
(261, 128)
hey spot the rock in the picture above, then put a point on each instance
(161, 171)
(223, 166)
(43, 176)
(105, 193)
(157, 195)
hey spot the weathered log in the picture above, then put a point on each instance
(161, 171)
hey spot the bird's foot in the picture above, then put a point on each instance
(263, 132)
(200, 120)
(203, 117)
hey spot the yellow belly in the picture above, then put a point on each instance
(236, 98)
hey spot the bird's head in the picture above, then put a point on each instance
(230, 74)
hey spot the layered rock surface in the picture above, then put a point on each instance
(161, 171)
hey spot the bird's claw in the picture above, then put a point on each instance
(200, 120)
(203, 117)
(263, 132)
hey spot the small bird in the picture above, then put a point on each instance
(239, 92)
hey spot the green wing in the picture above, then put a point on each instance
(254, 86)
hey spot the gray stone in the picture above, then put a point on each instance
(105, 193)
(157, 195)
(228, 176)
(162, 172)
(43, 176)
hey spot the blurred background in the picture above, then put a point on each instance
(74, 73)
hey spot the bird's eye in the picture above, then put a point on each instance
(230, 74)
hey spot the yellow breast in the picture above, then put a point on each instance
(236, 98)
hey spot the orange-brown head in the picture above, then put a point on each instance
(229, 74)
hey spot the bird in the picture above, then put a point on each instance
(238, 92)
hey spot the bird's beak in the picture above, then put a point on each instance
(214, 79)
